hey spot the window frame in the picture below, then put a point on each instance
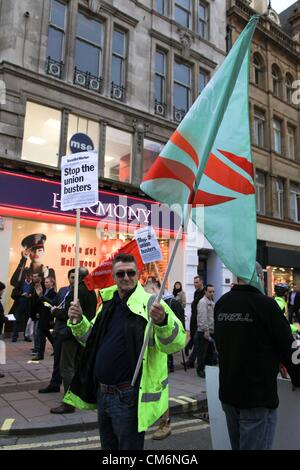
(205, 21)
(258, 70)
(275, 120)
(182, 84)
(123, 58)
(207, 78)
(260, 193)
(295, 195)
(161, 76)
(289, 90)
(288, 139)
(280, 198)
(91, 43)
(58, 28)
(178, 6)
(259, 117)
(276, 81)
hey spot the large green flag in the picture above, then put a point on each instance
(208, 163)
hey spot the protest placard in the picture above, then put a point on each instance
(79, 180)
(148, 245)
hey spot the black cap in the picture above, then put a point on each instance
(35, 240)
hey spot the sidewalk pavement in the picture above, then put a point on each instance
(24, 411)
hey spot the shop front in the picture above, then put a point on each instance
(30, 209)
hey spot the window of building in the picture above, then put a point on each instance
(41, 134)
(160, 82)
(289, 88)
(56, 32)
(277, 136)
(118, 150)
(276, 81)
(279, 198)
(183, 12)
(258, 66)
(151, 151)
(78, 124)
(260, 193)
(88, 49)
(203, 79)
(203, 26)
(291, 141)
(161, 6)
(118, 64)
(182, 89)
(259, 124)
(295, 202)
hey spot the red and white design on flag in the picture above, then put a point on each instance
(102, 277)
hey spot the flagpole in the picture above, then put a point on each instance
(158, 298)
(77, 255)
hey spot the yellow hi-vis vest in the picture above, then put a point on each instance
(153, 398)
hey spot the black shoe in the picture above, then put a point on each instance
(14, 340)
(189, 365)
(49, 389)
(27, 339)
(201, 374)
(37, 358)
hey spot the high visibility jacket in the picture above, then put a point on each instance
(282, 304)
(153, 386)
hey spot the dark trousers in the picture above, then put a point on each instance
(68, 359)
(205, 351)
(56, 379)
(118, 421)
(44, 334)
(21, 315)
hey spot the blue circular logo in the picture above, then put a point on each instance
(81, 143)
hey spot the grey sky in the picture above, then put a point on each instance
(280, 5)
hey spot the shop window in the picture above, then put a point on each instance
(203, 26)
(118, 149)
(277, 136)
(291, 141)
(56, 38)
(151, 151)
(182, 90)
(260, 193)
(41, 134)
(82, 125)
(183, 12)
(88, 52)
(295, 202)
(203, 80)
(259, 124)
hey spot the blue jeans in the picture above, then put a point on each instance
(250, 428)
(118, 421)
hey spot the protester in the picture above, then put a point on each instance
(252, 337)
(71, 349)
(2, 317)
(36, 291)
(179, 294)
(21, 295)
(113, 341)
(294, 304)
(204, 338)
(60, 313)
(198, 294)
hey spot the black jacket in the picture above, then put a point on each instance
(252, 337)
(83, 383)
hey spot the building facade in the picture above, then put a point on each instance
(275, 126)
(122, 73)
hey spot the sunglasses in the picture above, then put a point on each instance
(122, 274)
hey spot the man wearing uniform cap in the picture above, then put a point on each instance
(34, 249)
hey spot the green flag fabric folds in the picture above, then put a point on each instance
(208, 163)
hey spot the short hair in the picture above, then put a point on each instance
(2, 286)
(198, 277)
(207, 286)
(123, 258)
(71, 271)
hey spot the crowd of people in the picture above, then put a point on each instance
(245, 332)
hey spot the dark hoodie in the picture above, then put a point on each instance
(253, 337)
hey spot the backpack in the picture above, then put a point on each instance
(177, 309)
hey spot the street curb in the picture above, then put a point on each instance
(88, 423)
